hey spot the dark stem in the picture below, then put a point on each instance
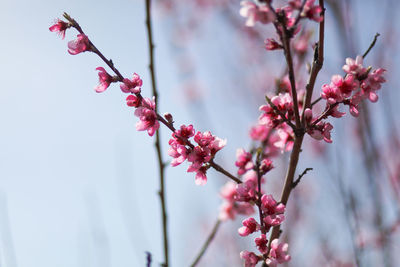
(161, 165)
(295, 183)
(371, 45)
(206, 244)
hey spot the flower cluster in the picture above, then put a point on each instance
(358, 84)
(181, 149)
(240, 199)
(145, 107)
(255, 13)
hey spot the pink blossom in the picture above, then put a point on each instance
(373, 83)
(331, 93)
(60, 27)
(79, 45)
(312, 11)
(250, 259)
(147, 116)
(259, 132)
(278, 253)
(266, 166)
(286, 140)
(283, 103)
(133, 101)
(185, 132)
(272, 44)
(336, 113)
(203, 139)
(105, 80)
(229, 210)
(247, 190)
(273, 212)
(177, 151)
(216, 145)
(132, 86)
(322, 130)
(308, 115)
(198, 156)
(354, 67)
(250, 226)
(201, 176)
(255, 13)
(228, 191)
(346, 86)
(244, 161)
(262, 243)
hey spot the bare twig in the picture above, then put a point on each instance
(371, 45)
(207, 243)
(161, 165)
(295, 183)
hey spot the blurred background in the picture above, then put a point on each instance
(78, 183)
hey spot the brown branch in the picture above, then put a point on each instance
(294, 157)
(295, 183)
(317, 63)
(371, 45)
(207, 243)
(161, 164)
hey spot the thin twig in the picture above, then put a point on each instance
(295, 183)
(371, 45)
(161, 165)
(207, 243)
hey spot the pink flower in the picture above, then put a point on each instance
(272, 44)
(60, 27)
(216, 145)
(273, 212)
(286, 140)
(247, 190)
(346, 86)
(105, 80)
(201, 177)
(255, 13)
(312, 12)
(185, 133)
(133, 101)
(198, 156)
(228, 191)
(230, 209)
(278, 253)
(177, 151)
(332, 94)
(322, 130)
(250, 259)
(147, 116)
(244, 161)
(354, 67)
(259, 132)
(203, 139)
(262, 243)
(250, 226)
(79, 45)
(373, 83)
(266, 166)
(132, 86)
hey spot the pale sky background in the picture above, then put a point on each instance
(77, 181)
